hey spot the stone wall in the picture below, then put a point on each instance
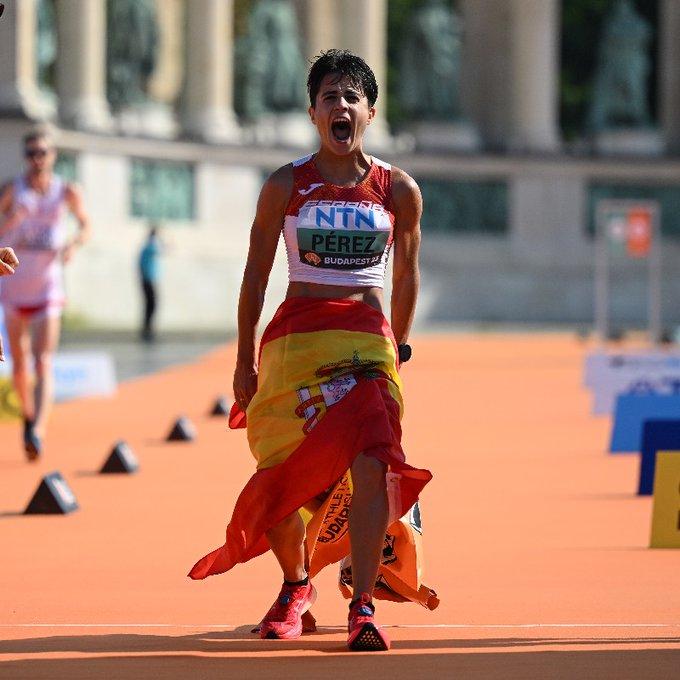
(539, 270)
(527, 258)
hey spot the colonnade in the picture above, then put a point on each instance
(510, 65)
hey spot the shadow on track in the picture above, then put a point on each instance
(176, 664)
(241, 641)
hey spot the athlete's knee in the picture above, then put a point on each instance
(287, 524)
(19, 364)
(43, 364)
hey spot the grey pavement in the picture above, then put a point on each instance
(134, 358)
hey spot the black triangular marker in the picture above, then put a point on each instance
(121, 459)
(221, 407)
(53, 497)
(182, 431)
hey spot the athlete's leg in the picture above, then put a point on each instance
(287, 541)
(367, 521)
(367, 525)
(46, 331)
(20, 347)
(287, 618)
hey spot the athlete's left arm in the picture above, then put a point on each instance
(408, 208)
(76, 204)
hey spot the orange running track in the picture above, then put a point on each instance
(534, 538)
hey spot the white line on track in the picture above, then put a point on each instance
(414, 625)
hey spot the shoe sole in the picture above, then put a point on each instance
(295, 632)
(368, 639)
(32, 444)
(32, 452)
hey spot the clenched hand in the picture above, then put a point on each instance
(245, 384)
(8, 261)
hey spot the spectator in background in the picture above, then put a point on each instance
(149, 273)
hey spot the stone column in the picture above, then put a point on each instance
(19, 93)
(364, 32)
(81, 64)
(485, 73)
(208, 110)
(322, 26)
(534, 76)
(669, 76)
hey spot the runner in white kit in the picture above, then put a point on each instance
(32, 208)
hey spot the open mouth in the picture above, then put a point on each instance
(341, 129)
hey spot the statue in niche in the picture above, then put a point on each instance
(270, 67)
(46, 45)
(132, 49)
(623, 67)
(429, 73)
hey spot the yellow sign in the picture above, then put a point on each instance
(666, 513)
(10, 409)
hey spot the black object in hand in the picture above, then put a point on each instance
(405, 352)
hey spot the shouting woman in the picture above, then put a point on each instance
(322, 398)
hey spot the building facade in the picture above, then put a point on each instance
(174, 111)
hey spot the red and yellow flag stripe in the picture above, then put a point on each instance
(328, 389)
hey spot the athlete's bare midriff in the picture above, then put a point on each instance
(371, 295)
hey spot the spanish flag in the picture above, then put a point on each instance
(328, 390)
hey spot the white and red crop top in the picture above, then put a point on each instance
(38, 240)
(335, 235)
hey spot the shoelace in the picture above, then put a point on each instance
(361, 612)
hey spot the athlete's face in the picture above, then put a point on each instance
(341, 114)
(39, 155)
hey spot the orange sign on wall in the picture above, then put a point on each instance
(639, 232)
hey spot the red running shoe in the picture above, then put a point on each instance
(284, 620)
(308, 624)
(364, 635)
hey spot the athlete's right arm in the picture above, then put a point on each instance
(264, 237)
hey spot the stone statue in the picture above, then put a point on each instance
(270, 67)
(623, 67)
(132, 48)
(46, 44)
(429, 73)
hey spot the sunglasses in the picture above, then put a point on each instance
(36, 153)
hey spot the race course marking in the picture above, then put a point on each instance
(413, 625)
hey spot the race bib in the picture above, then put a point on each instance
(343, 234)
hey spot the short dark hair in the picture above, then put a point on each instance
(346, 64)
(38, 134)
